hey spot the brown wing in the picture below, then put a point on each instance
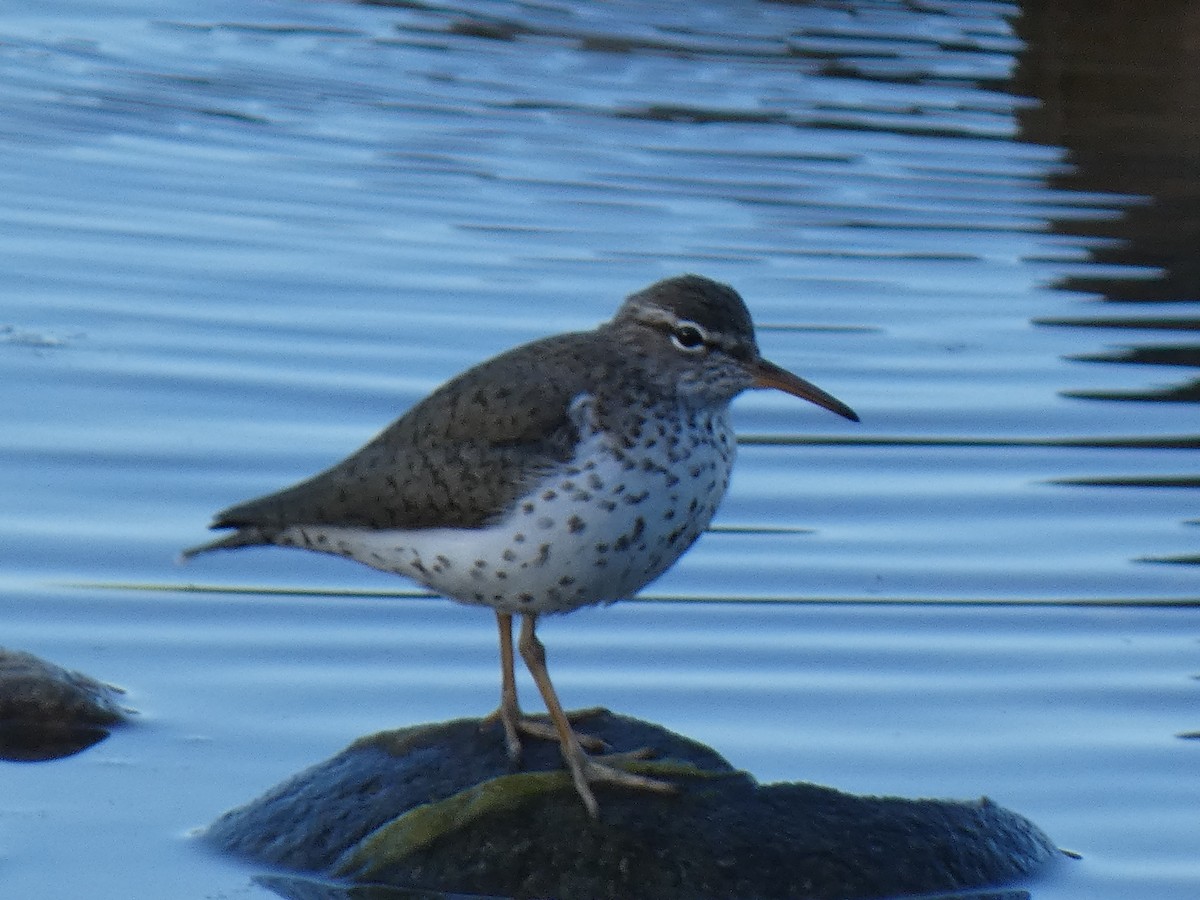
(457, 459)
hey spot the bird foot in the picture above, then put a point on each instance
(623, 756)
(587, 770)
(517, 724)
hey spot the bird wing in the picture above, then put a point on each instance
(458, 459)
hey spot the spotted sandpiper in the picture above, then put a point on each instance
(570, 471)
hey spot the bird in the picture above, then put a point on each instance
(567, 472)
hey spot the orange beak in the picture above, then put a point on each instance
(769, 375)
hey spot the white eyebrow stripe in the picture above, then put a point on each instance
(656, 316)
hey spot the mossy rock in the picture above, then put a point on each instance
(438, 807)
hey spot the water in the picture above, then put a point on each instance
(237, 241)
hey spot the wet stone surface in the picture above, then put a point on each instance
(437, 807)
(47, 712)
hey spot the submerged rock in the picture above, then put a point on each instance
(438, 807)
(47, 712)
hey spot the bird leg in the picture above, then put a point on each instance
(584, 769)
(514, 722)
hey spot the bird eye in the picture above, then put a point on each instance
(688, 338)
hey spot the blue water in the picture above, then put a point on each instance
(236, 241)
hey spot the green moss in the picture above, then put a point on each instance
(399, 742)
(674, 768)
(396, 742)
(391, 843)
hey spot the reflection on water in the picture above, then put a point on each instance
(22, 744)
(1187, 356)
(1119, 92)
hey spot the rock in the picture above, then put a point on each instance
(297, 888)
(47, 712)
(437, 807)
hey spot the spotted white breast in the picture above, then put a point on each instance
(597, 529)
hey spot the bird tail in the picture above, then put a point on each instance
(248, 536)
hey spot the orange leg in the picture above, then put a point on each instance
(509, 714)
(584, 769)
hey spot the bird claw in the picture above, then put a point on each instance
(622, 756)
(520, 724)
(586, 771)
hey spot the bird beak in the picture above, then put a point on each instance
(769, 375)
